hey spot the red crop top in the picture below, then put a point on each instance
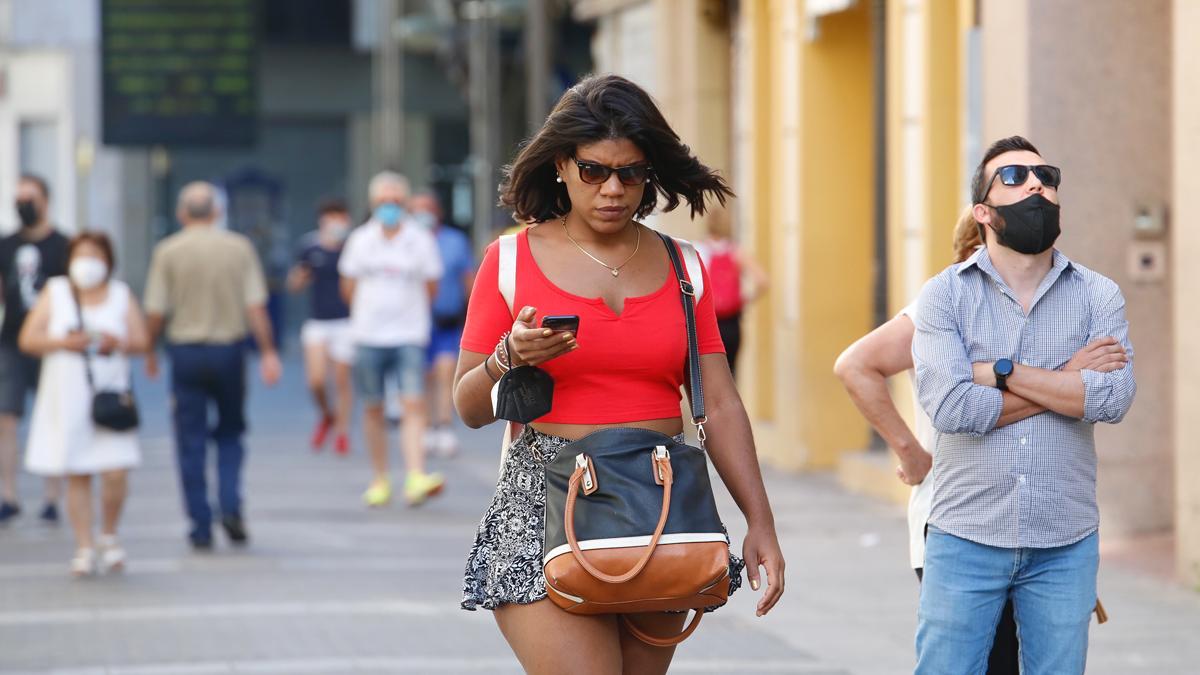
(628, 368)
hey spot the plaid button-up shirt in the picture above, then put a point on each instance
(1032, 483)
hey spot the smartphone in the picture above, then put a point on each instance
(562, 323)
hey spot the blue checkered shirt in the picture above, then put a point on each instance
(1032, 483)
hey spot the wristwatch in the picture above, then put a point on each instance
(1002, 369)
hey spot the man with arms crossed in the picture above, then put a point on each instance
(1014, 494)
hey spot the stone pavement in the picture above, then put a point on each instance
(328, 586)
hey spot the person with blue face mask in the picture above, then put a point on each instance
(390, 269)
(328, 346)
(449, 317)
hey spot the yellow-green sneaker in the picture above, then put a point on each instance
(419, 487)
(379, 492)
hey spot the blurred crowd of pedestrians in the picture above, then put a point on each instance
(387, 302)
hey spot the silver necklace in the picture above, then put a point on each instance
(615, 270)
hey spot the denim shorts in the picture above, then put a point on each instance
(373, 364)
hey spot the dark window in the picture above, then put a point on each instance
(325, 22)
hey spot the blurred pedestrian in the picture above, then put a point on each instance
(597, 166)
(449, 315)
(84, 327)
(390, 269)
(997, 344)
(729, 269)
(206, 287)
(30, 256)
(325, 336)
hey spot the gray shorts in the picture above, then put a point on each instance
(18, 378)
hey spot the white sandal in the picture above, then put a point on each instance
(112, 556)
(84, 562)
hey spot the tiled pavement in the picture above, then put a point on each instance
(328, 586)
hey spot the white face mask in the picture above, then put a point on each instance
(87, 272)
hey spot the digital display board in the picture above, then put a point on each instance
(179, 72)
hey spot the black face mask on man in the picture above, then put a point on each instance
(1030, 225)
(28, 213)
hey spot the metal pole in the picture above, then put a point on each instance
(537, 64)
(483, 63)
(389, 114)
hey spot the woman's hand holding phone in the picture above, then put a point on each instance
(530, 345)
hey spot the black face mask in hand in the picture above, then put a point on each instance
(27, 212)
(523, 394)
(1030, 225)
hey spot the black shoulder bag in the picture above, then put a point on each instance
(631, 522)
(115, 410)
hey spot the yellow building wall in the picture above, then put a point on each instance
(810, 152)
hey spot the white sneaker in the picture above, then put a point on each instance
(446, 442)
(84, 563)
(112, 556)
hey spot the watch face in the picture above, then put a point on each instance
(1003, 367)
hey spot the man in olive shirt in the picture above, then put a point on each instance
(206, 285)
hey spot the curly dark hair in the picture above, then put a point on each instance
(606, 107)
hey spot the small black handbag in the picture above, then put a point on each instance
(631, 521)
(115, 410)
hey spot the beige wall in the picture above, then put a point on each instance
(1104, 116)
(1185, 245)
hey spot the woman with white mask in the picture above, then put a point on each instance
(84, 326)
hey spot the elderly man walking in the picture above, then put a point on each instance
(206, 287)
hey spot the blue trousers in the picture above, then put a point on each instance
(966, 584)
(202, 374)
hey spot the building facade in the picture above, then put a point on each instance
(850, 131)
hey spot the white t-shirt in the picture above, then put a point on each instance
(921, 500)
(390, 307)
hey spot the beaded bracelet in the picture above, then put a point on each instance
(503, 359)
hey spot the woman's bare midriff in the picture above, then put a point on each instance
(670, 426)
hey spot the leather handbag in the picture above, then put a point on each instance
(631, 522)
(114, 410)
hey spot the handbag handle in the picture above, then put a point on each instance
(662, 464)
(662, 642)
(687, 293)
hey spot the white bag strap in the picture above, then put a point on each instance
(691, 260)
(507, 280)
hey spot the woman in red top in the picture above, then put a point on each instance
(601, 160)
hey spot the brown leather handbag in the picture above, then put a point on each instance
(631, 522)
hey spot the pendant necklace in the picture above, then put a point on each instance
(615, 270)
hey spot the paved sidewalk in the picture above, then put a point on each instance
(328, 586)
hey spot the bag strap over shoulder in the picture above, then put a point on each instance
(507, 280)
(690, 294)
(691, 260)
(507, 283)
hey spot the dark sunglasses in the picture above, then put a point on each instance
(596, 174)
(1017, 174)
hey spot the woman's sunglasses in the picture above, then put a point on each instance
(1016, 174)
(596, 174)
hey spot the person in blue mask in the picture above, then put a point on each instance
(449, 315)
(390, 268)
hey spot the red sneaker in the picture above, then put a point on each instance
(342, 445)
(320, 433)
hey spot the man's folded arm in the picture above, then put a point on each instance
(945, 385)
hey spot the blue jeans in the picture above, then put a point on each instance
(200, 374)
(966, 585)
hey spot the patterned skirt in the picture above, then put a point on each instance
(505, 564)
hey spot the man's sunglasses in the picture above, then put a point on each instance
(596, 174)
(1016, 174)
